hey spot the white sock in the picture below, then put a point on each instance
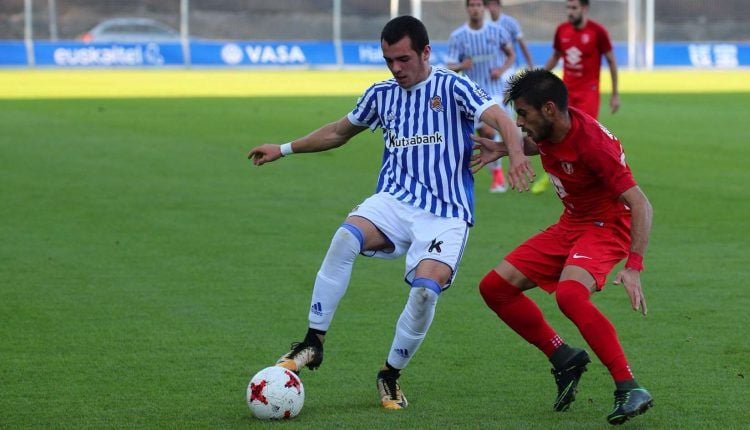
(412, 325)
(334, 275)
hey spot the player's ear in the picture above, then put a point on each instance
(549, 108)
(426, 53)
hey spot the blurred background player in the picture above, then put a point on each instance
(483, 52)
(420, 209)
(581, 42)
(513, 27)
(606, 218)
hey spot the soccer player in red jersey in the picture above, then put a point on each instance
(606, 218)
(581, 42)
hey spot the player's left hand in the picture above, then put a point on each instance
(520, 173)
(631, 280)
(614, 102)
(496, 73)
(489, 151)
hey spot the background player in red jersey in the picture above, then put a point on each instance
(606, 218)
(581, 42)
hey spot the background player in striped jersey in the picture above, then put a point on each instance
(581, 42)
(423, 205)
(483, 52)
(606, 218)
(513, 27)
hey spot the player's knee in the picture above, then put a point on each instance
(495, 290)
(425, 291)
(570, 295)
(348, 238)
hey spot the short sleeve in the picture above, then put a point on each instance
(471, 99)
(515, 30)
(556, 43)
(605, 156)
(605, 44)
(505, 36)
(366, 113)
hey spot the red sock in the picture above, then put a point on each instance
(497, 175)
(519, 312)
(600, 334)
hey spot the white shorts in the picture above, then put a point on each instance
(415, 232)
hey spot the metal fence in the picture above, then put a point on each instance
(326, 32)
(675, 20)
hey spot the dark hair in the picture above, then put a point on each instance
(398, 28)
(486, 2)
(583, 2)
(537, 87)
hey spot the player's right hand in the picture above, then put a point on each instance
(263, 154)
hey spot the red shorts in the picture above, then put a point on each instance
(595, 248)
(587, 101)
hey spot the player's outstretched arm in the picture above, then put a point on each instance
(464, 64)
(526, 53)
(520, 173)
(489, 151)
(640, 230)
(510, 59)
(552, 61)
(327, 137)
(614, 99)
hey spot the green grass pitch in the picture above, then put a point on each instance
(147, 270)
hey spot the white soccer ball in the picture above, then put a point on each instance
(275, 393)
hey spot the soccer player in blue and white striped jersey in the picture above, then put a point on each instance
(513, 27)
(423, 205)
(484, 52)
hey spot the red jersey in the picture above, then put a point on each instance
(588, 171)
(582, 52)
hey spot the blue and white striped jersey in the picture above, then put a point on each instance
(513, 27)
(426, 131)
(483, 47)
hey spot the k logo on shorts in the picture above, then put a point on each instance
(435, 246)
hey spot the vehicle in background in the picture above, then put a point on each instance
(136, 30)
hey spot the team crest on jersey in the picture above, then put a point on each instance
(436, 104)
(567, 167)
(390, 120)
(585, 38)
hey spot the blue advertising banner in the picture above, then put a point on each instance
(369, 53)
(362, 53)
(13, 53)
(74, 54)
(723, 55)
(718, 54)
(262, 53)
